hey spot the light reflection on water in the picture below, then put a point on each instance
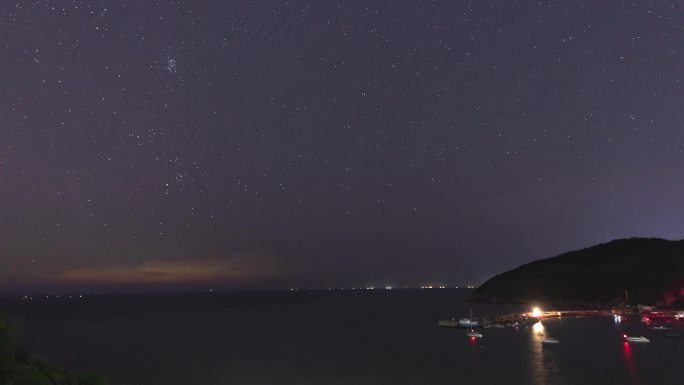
(629, 359)
(543, 361)
(630, 363)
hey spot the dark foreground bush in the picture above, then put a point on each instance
(19, 368)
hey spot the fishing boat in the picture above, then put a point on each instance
(636, 339)
(469, 322)
(448, 323)
(661, 327)
(550, 340)
(472, 333)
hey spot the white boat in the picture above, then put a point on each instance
(550, 340)
(448, 323)
(469, 322)
(661, 327)
(474, 334)
(637, 339)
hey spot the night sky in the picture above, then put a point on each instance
(166, 145)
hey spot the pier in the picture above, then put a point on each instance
(549, 314)
(624, 312)
(528, 318)
(647, 315)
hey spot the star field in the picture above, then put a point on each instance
(240, 144)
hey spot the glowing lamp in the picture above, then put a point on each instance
(536, 312)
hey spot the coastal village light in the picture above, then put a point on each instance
(536, 312)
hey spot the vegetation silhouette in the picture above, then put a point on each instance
(19, 368)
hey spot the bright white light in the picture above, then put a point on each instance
(536, 312)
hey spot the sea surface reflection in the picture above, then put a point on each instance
(320, 338)
(542, 360)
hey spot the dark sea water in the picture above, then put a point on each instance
(360, 337)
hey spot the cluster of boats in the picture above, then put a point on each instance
(461, 323)
(657, 327)
(471, 323)
(472, 333)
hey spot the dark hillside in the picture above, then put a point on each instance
(651, 269)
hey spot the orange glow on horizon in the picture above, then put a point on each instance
(161, 272)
